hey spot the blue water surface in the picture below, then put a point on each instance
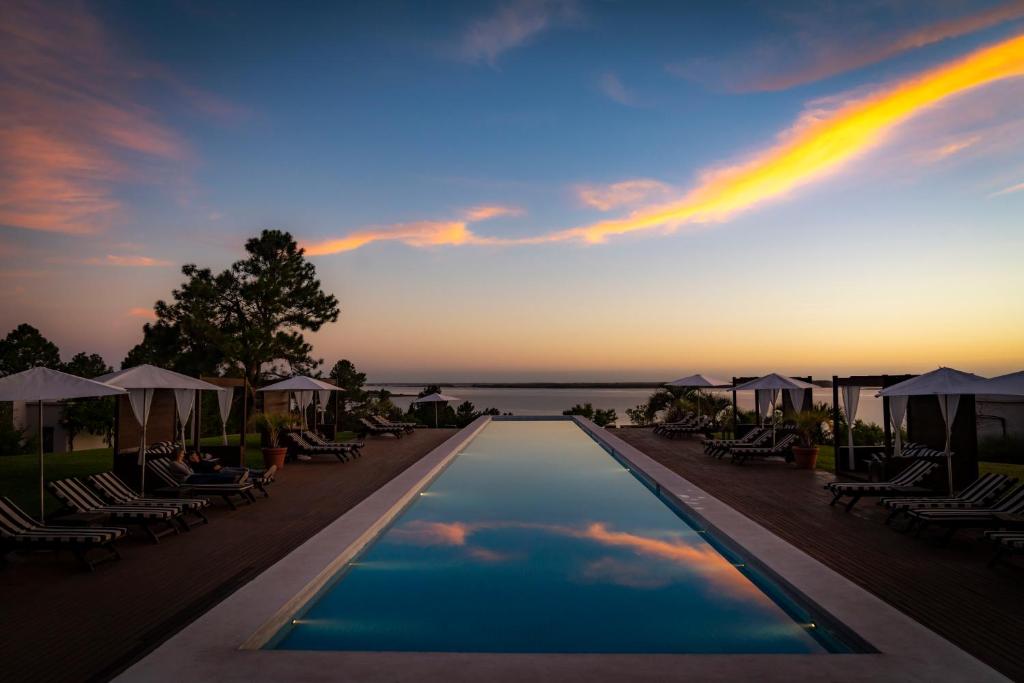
(536, 540)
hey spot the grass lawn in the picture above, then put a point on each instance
(19, 474)
(827, 462)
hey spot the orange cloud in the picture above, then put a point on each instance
(132, 260)
(819, 144)
(1019, 187)
(514, 23)
(420, 532)
(951, 148)
(625, 193)
(140, 312)
(486, 212)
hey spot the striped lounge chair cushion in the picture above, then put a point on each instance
(982, 491)
(77, 495)
(908, 478)
(1010, 504)
(17, 526)
(1010, 539)
(116, 490)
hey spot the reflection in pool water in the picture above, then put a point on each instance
(534, 539)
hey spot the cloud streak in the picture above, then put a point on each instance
(513, 24)
(1019, 187)
(624, 193)
(820, 143)
(614, 89)
(834, 42)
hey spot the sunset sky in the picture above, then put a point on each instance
(532, 189)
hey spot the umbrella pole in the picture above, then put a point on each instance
(42, 482)
(435, 414)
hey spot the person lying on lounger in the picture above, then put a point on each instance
(183, 472)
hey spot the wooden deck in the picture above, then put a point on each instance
(62, 624)
(949, 589)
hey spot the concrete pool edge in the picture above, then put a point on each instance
(219, 645)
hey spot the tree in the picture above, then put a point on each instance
(350, 380)
(25, 347)
(95, 416)
(600, 417)
(248, 319)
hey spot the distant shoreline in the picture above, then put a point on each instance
(545, 385)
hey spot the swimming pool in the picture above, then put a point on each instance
(535, 538)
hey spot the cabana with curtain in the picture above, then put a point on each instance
(143, 383)
(305, 390)
(857, 461)
(949, 394)
(795, 393)
(698, 382)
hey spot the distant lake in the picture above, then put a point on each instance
(553, 401)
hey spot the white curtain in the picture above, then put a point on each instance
(323, 397)
(897, 411)
(764, 404)
(851, 397)
(183, 400)
(224, 397)
(796, 397)
(948, 404)
(140, 401)
(303, 399)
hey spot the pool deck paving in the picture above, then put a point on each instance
(947, 588)
(63, 624)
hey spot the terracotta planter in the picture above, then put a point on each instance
(274, 456)
(805, 458)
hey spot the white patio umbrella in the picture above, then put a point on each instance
(1004, 385)
(141, 381)
(698, 381)
(775, 383)
(947, 386)
(43, 384)
(304, 388)
(435, 399)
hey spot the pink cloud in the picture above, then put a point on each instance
(625, 193)
(486, 212)
(140, 312)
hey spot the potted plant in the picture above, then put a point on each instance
(808, 425)
(270, 426)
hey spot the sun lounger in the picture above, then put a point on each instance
(906, 482)
(160, 468)
(994, 517)
(369, 428)
(783, 447)
(982, 492)
(714, 446)
(687, 419)
(1007, 543)
(113, 488)
(157, 522)
(762, 439)
(701, 424)
(20, 532)
(384, 422)
(298, 445)
(352, 447)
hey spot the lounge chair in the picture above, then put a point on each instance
(299, 445)
(688, 418)
(352, 447)
(783, 447)
(18, 531)
(906, 482)
(156, 522)
(981, 493)
(713, 446)
(760, 439)
(160, 468)
(701, 424)
(993, 517)
(384, 422)
(1007, 543)
(113, 488)
(369, 428)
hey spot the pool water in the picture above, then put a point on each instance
(535, 539)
